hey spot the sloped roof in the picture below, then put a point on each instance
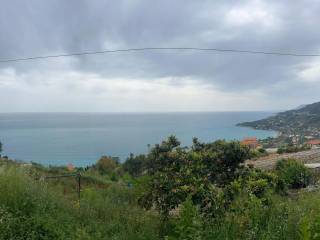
(249, 141)
(314, 142)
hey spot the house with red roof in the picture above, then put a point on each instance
(251, 142)
(314, 143)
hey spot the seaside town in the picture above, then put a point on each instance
(296, 129)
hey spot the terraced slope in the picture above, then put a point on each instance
(269, 162)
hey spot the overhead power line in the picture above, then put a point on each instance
(219, 50)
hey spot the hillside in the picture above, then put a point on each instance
(304, 120)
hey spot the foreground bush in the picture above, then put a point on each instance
(201, 172)
(293, 174)
(189, 224)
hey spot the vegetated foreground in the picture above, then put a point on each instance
(173, 192)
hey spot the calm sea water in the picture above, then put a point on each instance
(81, 138)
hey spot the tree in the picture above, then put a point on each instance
(135, 165)
(0, 148)
(177, 172)
(221, 159)
(107, 165)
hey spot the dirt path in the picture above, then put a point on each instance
(269, 162)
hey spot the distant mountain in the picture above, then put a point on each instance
(304, 120)
(300, 106)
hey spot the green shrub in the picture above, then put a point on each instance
(260, 152)
(293, 174)
(189, 224)
(201, 171)
(255, 182)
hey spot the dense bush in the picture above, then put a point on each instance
(293, 174)
(254, 182)
(199, 172)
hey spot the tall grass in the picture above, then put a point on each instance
(284, 218)
(28, 210)
(33, 210)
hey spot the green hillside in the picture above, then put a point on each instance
(304, 120)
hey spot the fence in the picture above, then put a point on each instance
(76, 175)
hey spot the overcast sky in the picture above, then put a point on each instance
(158, 80)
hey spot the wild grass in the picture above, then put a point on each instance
(32, 209)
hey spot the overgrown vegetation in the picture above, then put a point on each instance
(173, 192)
(293, 174)
(292, 149)
(32, 209)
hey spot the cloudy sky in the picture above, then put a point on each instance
(158, 80)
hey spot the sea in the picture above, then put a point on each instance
(82, 138)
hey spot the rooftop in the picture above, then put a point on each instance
(314, 142)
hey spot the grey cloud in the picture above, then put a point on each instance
(36, 27)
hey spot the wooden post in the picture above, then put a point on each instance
(79, 185)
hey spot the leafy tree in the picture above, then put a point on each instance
(0, 148)
(107, 165)
(221, 159)
(177, 172)
(135, 165)
(165, 187)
